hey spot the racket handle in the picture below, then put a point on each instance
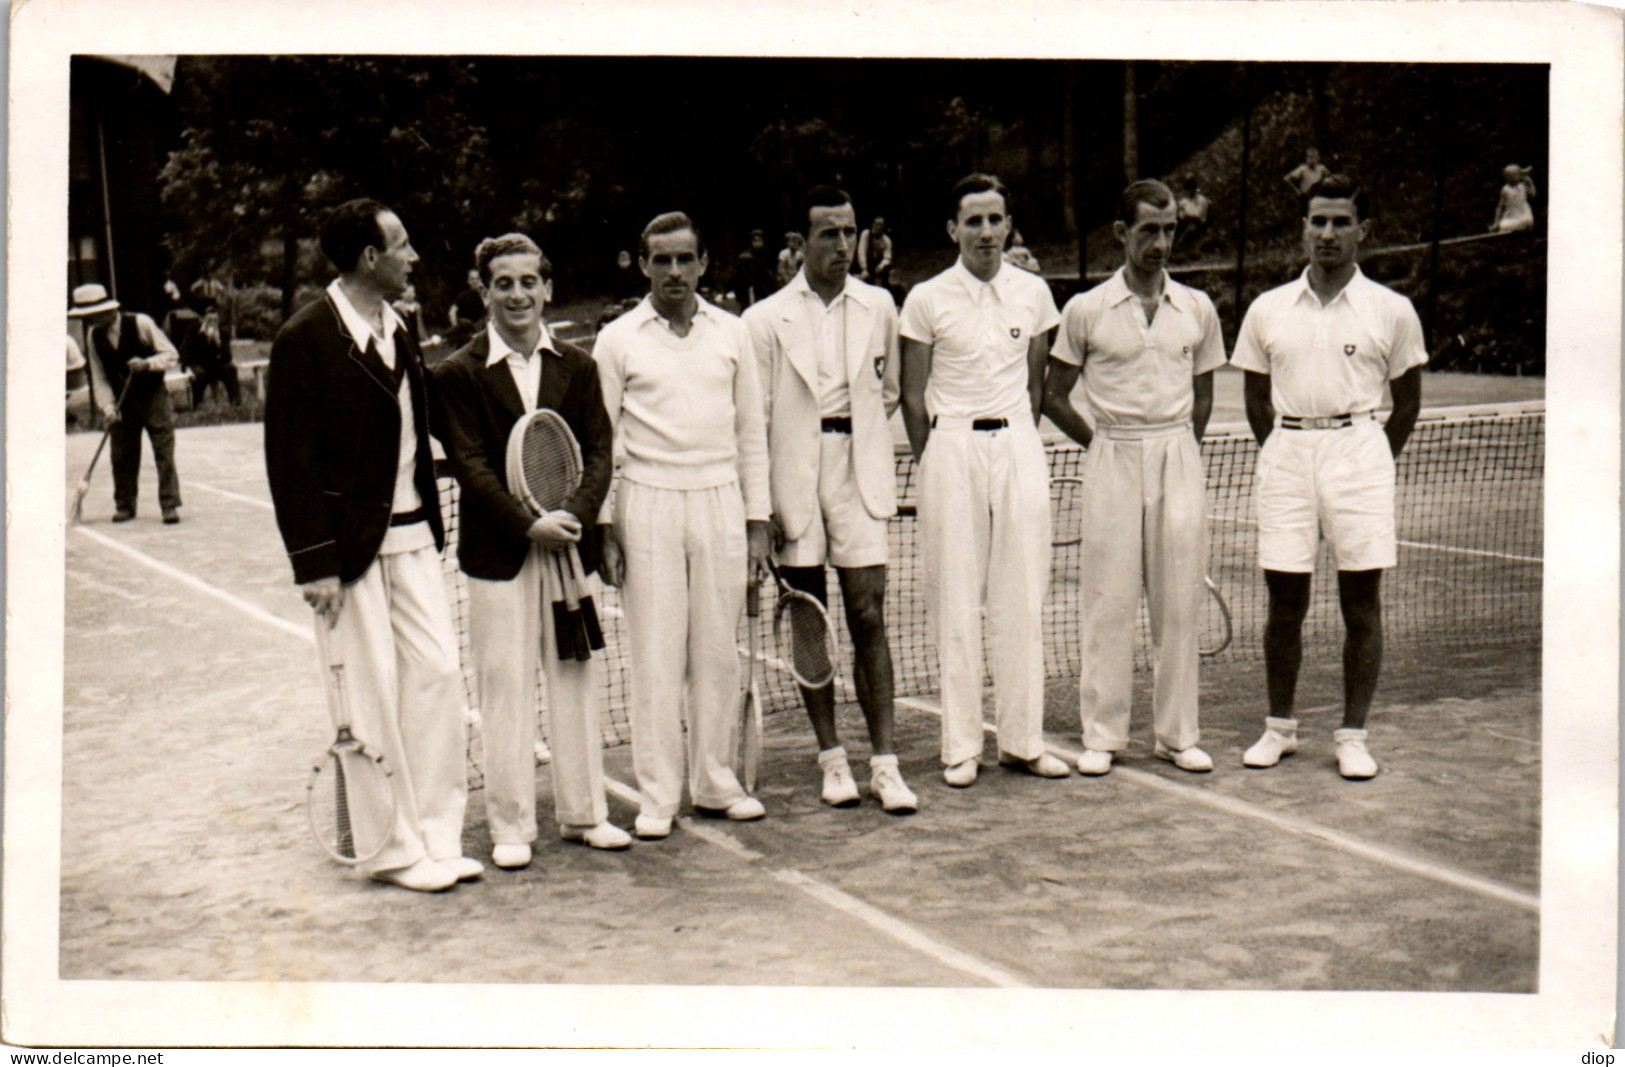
(589, 610)
(753, 599)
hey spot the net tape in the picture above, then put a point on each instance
(1470, 522)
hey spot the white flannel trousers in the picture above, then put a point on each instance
(684, 591)
(1144, 523)
(510, 634)
(985, 524)
(404, 684)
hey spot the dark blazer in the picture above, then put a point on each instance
(476, 407)
(332, 442)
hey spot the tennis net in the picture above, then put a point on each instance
(1469, 514)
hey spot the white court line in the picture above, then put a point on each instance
(825, 894)
(247, 607)
(1352, 845)
(259, 502)
(1426, 545)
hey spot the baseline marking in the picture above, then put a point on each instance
(1352, 845)
(823, 893)
(258, 502)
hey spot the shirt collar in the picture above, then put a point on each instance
(974, 285)
(1352, 292)
(355, 324)
(1116, 291)
(500, 350)
(645, 312)
(851, 289)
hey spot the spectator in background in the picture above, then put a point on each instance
(630, 284)
(1303, 177)
(875, 254)
(753, 272)
(1019, 255)
(1513, 211)
(1193, 211)
(207, 355)
(467, 312)
(127, 348)
(411, 313)
(791, 256)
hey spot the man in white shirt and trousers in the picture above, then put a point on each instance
(1318, 353)
(975, 341)
(686, 524)
(827, 344)
(1146, 347)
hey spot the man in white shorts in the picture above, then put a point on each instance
(686, 524)
(827, 347)
(1318, 352)
(975, 339)
(1146, 347)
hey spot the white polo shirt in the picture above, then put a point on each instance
(397, 539)
(978, 332)
(1332, 359)
(1134, 373)
(687, 411)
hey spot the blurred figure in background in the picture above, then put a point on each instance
(1513, 211)
(1193, 212)
(791, 256)
(207, 355)
(875, 254)
(1303, 177)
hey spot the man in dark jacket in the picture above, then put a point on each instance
(513, 558)
(352, 480)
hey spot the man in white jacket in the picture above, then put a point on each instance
(827, 348)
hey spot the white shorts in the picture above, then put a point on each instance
(843, 533)
(1339, 483)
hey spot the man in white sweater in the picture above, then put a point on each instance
(686, 524)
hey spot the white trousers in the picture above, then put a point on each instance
(1144, 523)
(683, 593)
(985, 525)
(395, 638)
(511, 634)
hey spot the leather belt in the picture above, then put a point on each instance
(1324, 422)
(977, 424)
(407, 518)
(837, 424)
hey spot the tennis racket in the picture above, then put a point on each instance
(544, 469)
(84, 483)
(750, 704)
(349, 795)
(803, 635)
(1066, 524)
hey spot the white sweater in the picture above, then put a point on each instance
(687, 411)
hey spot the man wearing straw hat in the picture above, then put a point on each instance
(128, 357)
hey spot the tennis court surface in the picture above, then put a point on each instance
(183, 861)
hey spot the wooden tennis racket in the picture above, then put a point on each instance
(803, 635)
(544, 471)
(349, 795)
(750, 703)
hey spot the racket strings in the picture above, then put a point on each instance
(809, 640)
(549, 465)
(346, 783)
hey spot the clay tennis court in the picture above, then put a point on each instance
(192, 707)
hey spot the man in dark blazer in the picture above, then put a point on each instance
(511, 557)
(352, 480)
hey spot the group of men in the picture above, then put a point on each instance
(711, 444)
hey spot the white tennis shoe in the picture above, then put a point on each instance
(1095, 762)
(511, 857)
(961, 775)
(606, 835)
(1353, 761)
(886, 782)
(840, 788)
(1190, 759)
(1280, 739)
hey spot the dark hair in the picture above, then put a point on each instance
(509, 244)
(822, 196)
(349, 230)
(1146, 191)
(1339, 187)
(970, 185)
(669, 222)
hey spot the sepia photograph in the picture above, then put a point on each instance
(739, 526)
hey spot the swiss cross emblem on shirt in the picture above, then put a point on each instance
(1348, 350)
(1015, 331)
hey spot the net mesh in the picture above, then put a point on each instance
(1470, 524)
